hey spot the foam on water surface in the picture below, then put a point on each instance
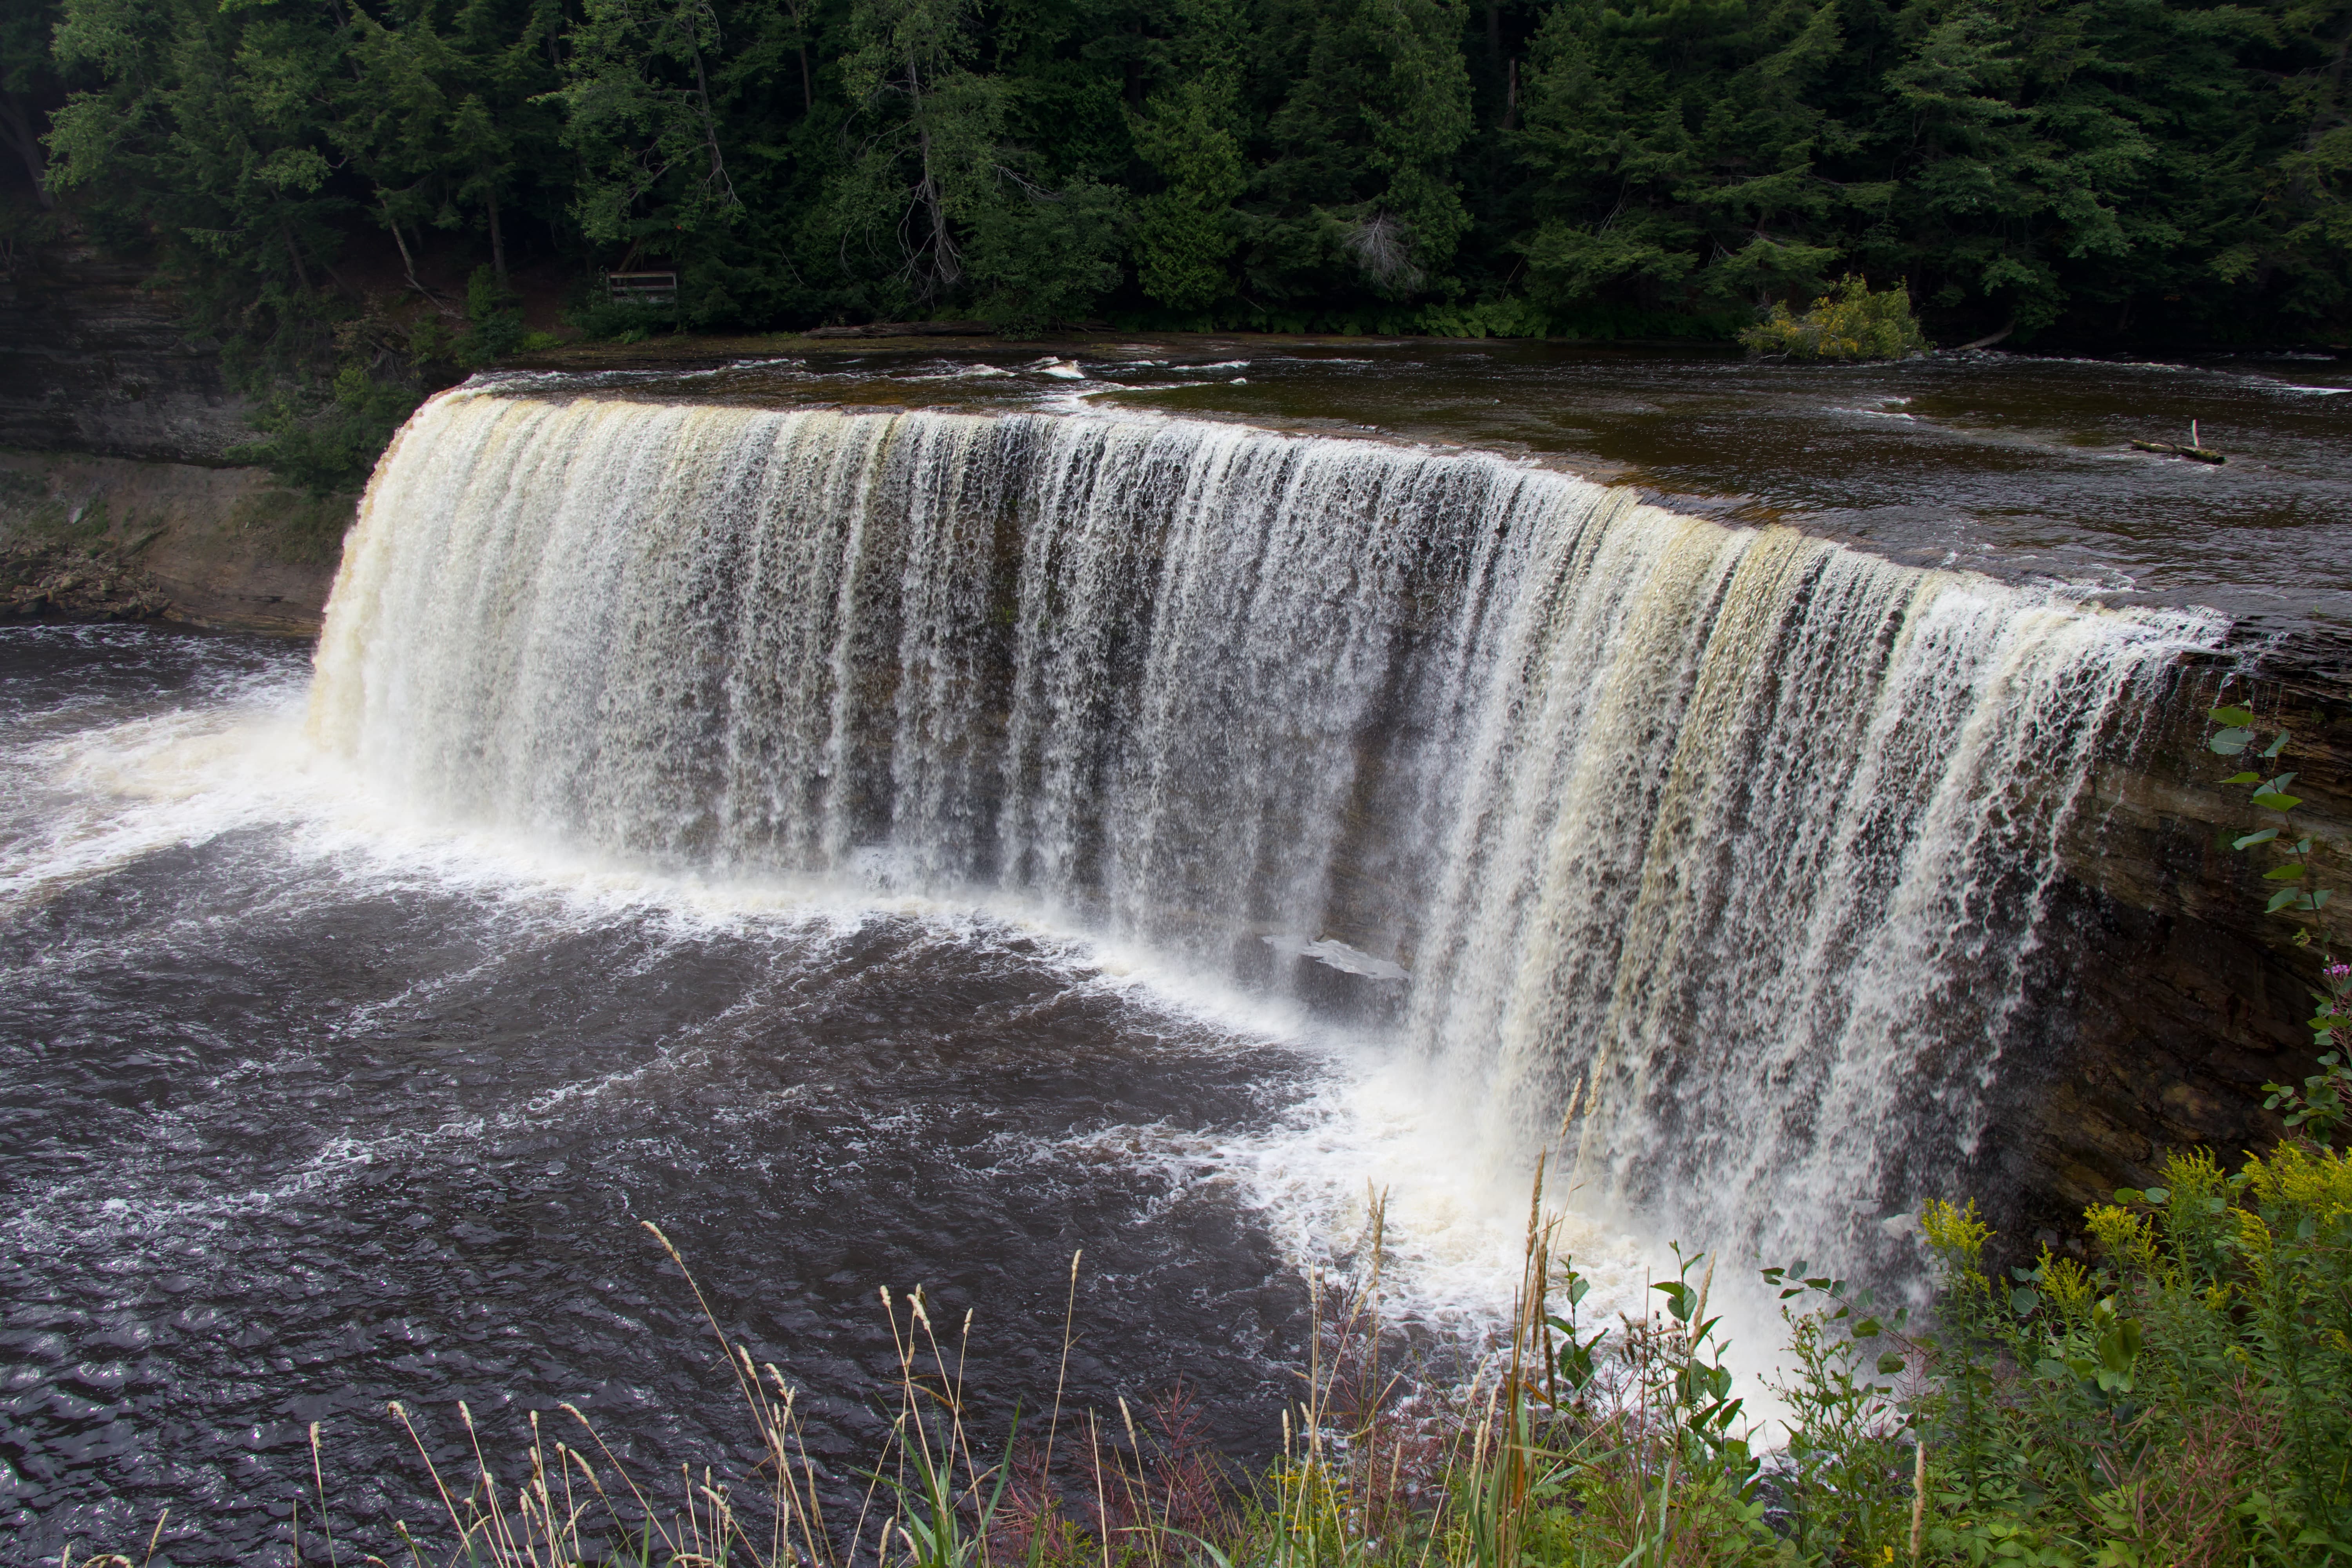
(1365, 1119)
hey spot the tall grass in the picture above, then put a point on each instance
(2183, 1397)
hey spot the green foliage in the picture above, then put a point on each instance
(1849, 1436)
(2318, 1108)
(1602, 168)
(2179, 1402)
(1039, 258)
(1186, 230)
(332, 443)
(939, 205)
(494, 328)
(639, 113)
(1849, 324)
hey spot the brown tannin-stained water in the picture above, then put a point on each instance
(898, 819)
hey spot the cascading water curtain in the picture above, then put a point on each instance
(1736, 841)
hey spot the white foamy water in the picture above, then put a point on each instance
(1363, 1121)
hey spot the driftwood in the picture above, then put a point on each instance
(905, 329)
(2194, 454)
(1989, 339)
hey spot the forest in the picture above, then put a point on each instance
(309, 176)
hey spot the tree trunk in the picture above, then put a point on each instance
(408, 262)
(302, 273)
(19, 125)
(945, 272)
(717, 179)
(497, 236)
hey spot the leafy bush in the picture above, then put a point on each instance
(329, 439)
(494, 326)
(1040, 259)
(331, 444)
(2179, 1402)
(1502, 318)
(1852, 322)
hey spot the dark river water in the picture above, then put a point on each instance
(308, 1107)
(307, 1103)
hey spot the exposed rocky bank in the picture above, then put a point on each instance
(81, 582)
(228, 548)
(118, 495)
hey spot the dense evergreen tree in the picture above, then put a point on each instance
(2062, 169)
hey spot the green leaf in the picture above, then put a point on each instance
(2128, 1195)
(2281, 899)
(2230, 743)
(1889, 1365)
(2022, 1302)
(2276, 747)
(2250, 839)
(1867, 1329)
(2284, 874)
(2278, 802)
(2236, 718)
(2319, 897)
(2158, 1195)
(2243, 778)
(2120, 1345)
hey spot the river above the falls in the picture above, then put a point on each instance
(692, 825)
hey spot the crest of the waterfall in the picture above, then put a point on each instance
(1735, 842)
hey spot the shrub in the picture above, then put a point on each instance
(1853, 322)
(331, 444)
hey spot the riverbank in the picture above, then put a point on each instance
(92, 537)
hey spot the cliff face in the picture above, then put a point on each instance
(91, 360)
(2170, 997)
(117, 433)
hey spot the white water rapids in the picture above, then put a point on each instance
(1735, 841)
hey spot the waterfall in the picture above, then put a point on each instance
(1738, 841)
